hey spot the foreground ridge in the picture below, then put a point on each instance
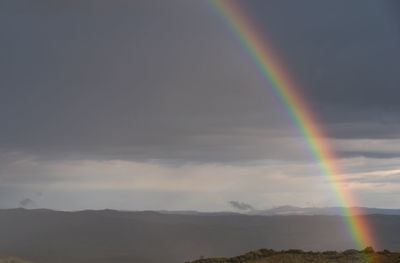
(367, 255)
(12, 260)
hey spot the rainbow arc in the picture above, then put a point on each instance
(270, 67)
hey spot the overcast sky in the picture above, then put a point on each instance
(155, 104)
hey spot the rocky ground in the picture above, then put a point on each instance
(367, 255)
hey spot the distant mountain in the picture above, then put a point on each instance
(194, 212)
(293, 210)
(46, 236)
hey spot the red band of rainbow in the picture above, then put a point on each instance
(272, 70)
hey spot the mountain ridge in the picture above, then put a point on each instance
(279, 210)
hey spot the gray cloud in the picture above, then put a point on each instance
(241, 206)
(168, 84)
(131, 81)
(373, 155)
(27, 203)
(379, 178)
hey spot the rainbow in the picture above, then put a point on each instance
(270, 67)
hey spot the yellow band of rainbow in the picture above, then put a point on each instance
(271, 69)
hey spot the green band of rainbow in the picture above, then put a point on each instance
(270, 67)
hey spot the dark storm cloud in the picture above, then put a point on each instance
(148, 80)
(157, 80)
(344, 55)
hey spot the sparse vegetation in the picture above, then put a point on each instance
(367, 255)
(13, 260)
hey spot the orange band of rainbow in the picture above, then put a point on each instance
(271, 69)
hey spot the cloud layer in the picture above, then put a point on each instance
(166, 92)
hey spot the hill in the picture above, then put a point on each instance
(12, 260)
(299, 256)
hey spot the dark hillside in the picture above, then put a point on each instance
(46, 236)
(299, 256)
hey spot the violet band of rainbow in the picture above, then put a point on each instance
(270, 67)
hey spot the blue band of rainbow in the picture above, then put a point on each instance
(270, 67)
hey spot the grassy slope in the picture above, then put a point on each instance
(295, 258)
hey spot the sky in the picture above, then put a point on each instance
(139, 105)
